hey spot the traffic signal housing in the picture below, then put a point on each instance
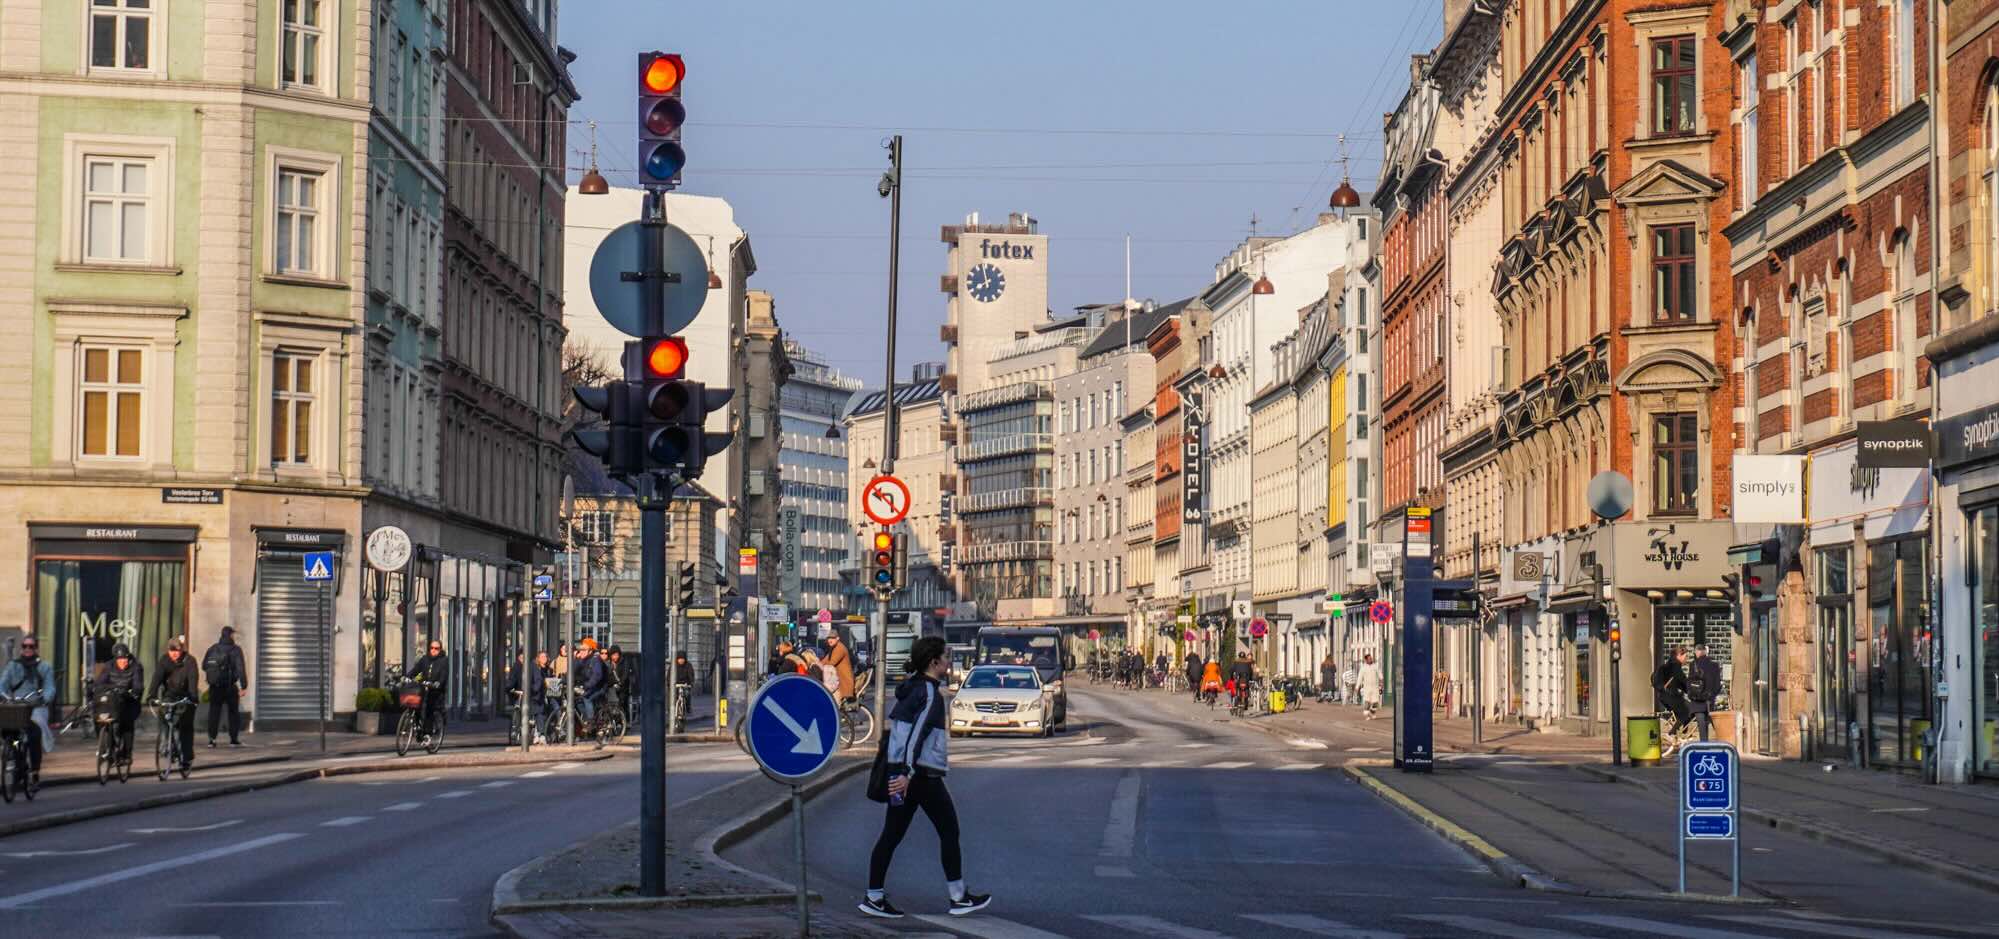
(661, 115)
(883, 569)
(686, 585)
(614, 437)
(901, 561)
(1616, 642)
(675, 410)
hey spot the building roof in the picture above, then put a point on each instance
(1143, 323)
(905, 395)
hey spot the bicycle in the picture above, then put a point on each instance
(16, 723)
(1671, 740)
(114, 752)
(411, 695)
(1176, 683)
(857, 723)
(684, 695)
(167, 753)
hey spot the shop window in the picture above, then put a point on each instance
(1985, 646)
(112, 394)
(85, 607)
(292, 397)
(1674, 84)
(1676, 470)
(1579, 665)
(122, 34)
(1675, 298)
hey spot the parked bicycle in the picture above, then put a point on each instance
(114, 752)
(168, 757)
(16, 723)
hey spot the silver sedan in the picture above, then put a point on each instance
(1002, 699)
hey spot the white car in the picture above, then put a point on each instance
(1002, 699)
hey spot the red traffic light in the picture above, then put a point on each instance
(666, 358)
(663, 73)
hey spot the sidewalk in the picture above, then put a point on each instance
(75, 758)
(591, 888)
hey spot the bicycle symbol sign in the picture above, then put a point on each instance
(1709, 778)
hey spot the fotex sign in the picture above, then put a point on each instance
(1769, 488)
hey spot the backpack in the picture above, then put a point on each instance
(1697, 689)
(217, 666)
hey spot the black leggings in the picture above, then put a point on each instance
(927, 793)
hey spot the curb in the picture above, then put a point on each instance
(743, 827)
(1510, 871)
(78, 780)
(88, 813)
(1792, 826)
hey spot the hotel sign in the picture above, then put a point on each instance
(1193, 480)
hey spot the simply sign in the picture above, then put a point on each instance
(792, 726)
(1769, 488)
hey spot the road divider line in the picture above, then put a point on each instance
(497, 784)
(1230, 764)
(1679, 930)
(565, 766)
(1121, 828)
(986, 927)
(162, 831)
(20, 900)
(81, 852)
(1088, 761)
(1320, 926)
(402, 807)
(344, 821)
(1480, 924)
(1160, 764)
(537, 774)
(1299, 766)
(455, 794)
(1154, 926)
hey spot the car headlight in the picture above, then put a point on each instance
(1034, 705)
(960, 704)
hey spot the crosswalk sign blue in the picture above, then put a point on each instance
(318, 566)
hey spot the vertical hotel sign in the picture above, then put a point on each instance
(1193, 476)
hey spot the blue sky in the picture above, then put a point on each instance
(1172, 121)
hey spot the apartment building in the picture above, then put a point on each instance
(815, 508)
(926, 441)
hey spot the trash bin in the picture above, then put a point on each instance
(1641, 740)
(1277, 702)
(1919, 737)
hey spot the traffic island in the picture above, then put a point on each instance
(593, 886)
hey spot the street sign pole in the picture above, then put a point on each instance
(1710, 804)
(652, 688)
(325, 662)
(791, 729)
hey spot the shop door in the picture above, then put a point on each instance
(290, 653)
(1516, 654)
(1764, 700)
(1899, 667)
(1835, 679)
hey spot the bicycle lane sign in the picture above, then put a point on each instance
(1707, 783)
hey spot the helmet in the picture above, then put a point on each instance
(121, 651)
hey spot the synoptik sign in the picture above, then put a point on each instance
(1905, 444)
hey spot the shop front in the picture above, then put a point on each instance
(471, 604)
(1671, 579)
(98, 585)
(1967, 460)
(292, 670)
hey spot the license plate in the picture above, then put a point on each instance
(994, 723)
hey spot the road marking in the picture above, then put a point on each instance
(1363, 749)
(1305, 744)
(402, 807)
(107, 849)
(1810, 916)
(344, 821)
(1156, 764)
(1088, 761)
(1154, 926)
(1899, 808)
(1678, 930)
(566, 766)
(1121, 829)
(19, 900)
(1296, 766)
(162, 831)
(1318, 926)
(987, 927)
(252, 904)
(497, 784)
(537, 774)
(1023, 758)
(1494, 927)
(1232, 764)
(1821, 927)
(1108, 870)
(1193, 746)
(455, 794)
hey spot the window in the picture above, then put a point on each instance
(113, 396)
(1815, 335)
(1747, 95)
(1674, 299)
(1673, 85)
(1902, 336)
(291, 408)
(304, 41)
(1905, 52)
(121, 34)
(595, 610)
(1676, 468)
(297, 231)
(118, 209)
(594, 527)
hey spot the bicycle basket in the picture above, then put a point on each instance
(14, 717)
(410, 696)
(105, 707)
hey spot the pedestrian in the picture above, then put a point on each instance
(916, 764)
(1669, 686)
(561, 660)
(177, 679)
(124, 676)
(29, 678)
(1329, 677)
(1703, 688)
(1194, 674)
(1370, 685)
(842, 663)
(222, 665)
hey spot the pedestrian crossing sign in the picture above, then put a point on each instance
(318, 566)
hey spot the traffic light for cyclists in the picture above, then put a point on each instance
(661, 115)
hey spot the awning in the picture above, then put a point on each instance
(1513, 600)
(1569, 601)
(1310, 626)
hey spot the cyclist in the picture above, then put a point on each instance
(683, 686)
(1669, 686)
(1194, 674)
(1211, 680)
(1240, 676)
(842, 663)
(177, 679)
(123, 674)
(624, 678)
(29, 678)
(591, 681)
(432, 669)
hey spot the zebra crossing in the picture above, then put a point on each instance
(1758, 925)
(1038, 760)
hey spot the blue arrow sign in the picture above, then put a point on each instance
(1707, 777)
(794, 723)
(318, 566)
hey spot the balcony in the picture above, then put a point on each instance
(1006, 551)
(1016, 498)
(948, 283)
(947, 333)
(1006, 445)
(1005, 394)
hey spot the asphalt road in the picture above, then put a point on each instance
(1148, 822)
(398, 854)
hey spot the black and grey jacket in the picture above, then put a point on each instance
(917, 729)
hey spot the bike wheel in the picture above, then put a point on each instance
(405, 733)
(8, 760)
(742, 742)
(163, 752)
(124, 759)
(107, 754)
(435, 741)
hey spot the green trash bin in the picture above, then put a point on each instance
(1641, 740)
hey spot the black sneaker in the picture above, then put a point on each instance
(972, 902)
(881, 908)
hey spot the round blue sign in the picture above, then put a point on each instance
(794, 727)
(622, 302)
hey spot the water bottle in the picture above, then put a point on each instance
(894, 797)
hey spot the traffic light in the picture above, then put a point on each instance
(615, 441)
(901, 561)
(1616, 643)
(686, 584)
(884, 577)
(676, 410)
(660, 117)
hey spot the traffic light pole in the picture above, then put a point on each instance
(652, 593)
(891, 427)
